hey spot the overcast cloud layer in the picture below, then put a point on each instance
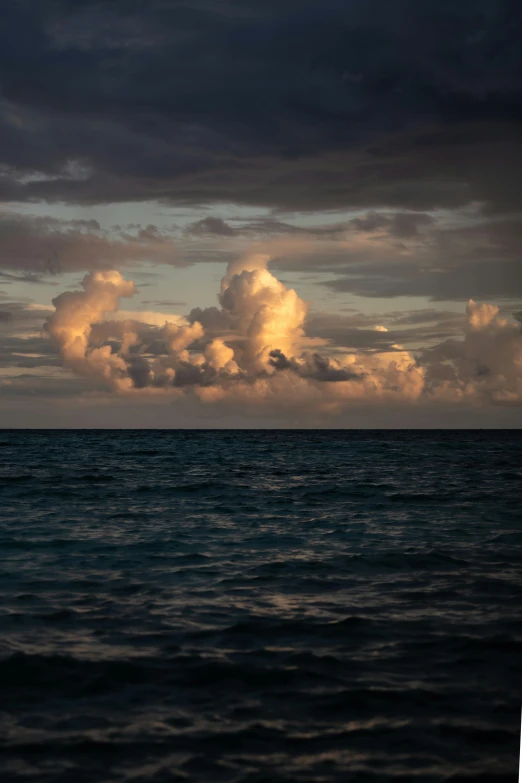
(291, 104)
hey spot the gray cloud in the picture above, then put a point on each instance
(212, 225)
(480, 258)
(358, 331)
(478, 280)
(39, 247)
(362, 103)
(212, 319)
(317, 367)
(163, 303)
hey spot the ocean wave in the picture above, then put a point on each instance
(260, 606)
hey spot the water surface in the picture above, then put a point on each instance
(260, 606)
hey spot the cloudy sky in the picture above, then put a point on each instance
(254, 213)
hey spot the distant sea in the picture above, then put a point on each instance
(260, 606)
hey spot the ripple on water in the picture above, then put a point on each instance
(260, 606)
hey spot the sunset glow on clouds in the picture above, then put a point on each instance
(263, 356)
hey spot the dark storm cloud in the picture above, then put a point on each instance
(289, 104)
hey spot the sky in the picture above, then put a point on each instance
(249, 213)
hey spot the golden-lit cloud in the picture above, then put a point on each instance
(253, 350)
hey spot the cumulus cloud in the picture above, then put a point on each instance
(263, 355)
(70, 327)
(269, 315)
(485, 366)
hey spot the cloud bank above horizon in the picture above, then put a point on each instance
(254, 351)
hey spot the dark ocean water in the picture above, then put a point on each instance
(260, 606)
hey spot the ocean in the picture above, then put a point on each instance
(260, 606)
